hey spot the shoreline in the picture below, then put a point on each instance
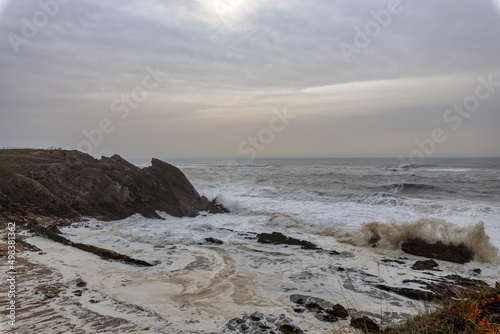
(202, 288)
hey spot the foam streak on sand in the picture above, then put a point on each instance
(201, 291)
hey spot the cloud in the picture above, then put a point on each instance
(232, 62)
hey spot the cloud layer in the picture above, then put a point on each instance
(232, 63)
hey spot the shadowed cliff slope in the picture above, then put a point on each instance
(71, 184)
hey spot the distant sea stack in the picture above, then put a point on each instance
(72, 184)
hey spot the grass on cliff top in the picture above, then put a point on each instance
(22, 161)
(478, 313)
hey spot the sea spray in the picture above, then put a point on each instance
(432, 230)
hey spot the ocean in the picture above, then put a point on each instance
(338, 204)
(311, 195)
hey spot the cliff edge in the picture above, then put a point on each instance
(72, 184)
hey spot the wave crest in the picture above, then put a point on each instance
(390, 236)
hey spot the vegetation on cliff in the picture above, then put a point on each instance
(469, 314)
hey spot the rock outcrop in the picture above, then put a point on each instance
(440, 251)
(71, 184)
(438, 288)
(278, 238)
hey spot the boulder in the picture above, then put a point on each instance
(339, 311)
(425, 265)
(440, 251)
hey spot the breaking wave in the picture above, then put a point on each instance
(390, 236)
(379, 198)
(410, 187)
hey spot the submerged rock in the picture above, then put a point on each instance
(277, 238)
(214, 241)
(71, 184)
(438, 250)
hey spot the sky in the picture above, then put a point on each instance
(252, 78)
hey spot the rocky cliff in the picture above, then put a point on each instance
(71, 184)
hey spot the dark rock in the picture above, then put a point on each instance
(255, 317)
(477, 271)
(80, 283)
(451, 286)
(425, 265)
(339, 311)
(261, 323)
(314, 306)
(27, 246)
(321, 309)
(290, 329)
(365, 324)
(277, 238)
(409, 293)
(392, 260)
(104, 253)
(329, 318)
(55, 229)
(333, 252)
(214, 241)
(74, 184)
(438, 250)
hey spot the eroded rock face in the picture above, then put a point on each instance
(70, 184)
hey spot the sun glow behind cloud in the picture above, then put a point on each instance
(228, 13)
(3, 4)
(497, 4)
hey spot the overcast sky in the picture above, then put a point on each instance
(244, 78)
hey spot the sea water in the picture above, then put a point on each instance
(338, 204)
(310, 196)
